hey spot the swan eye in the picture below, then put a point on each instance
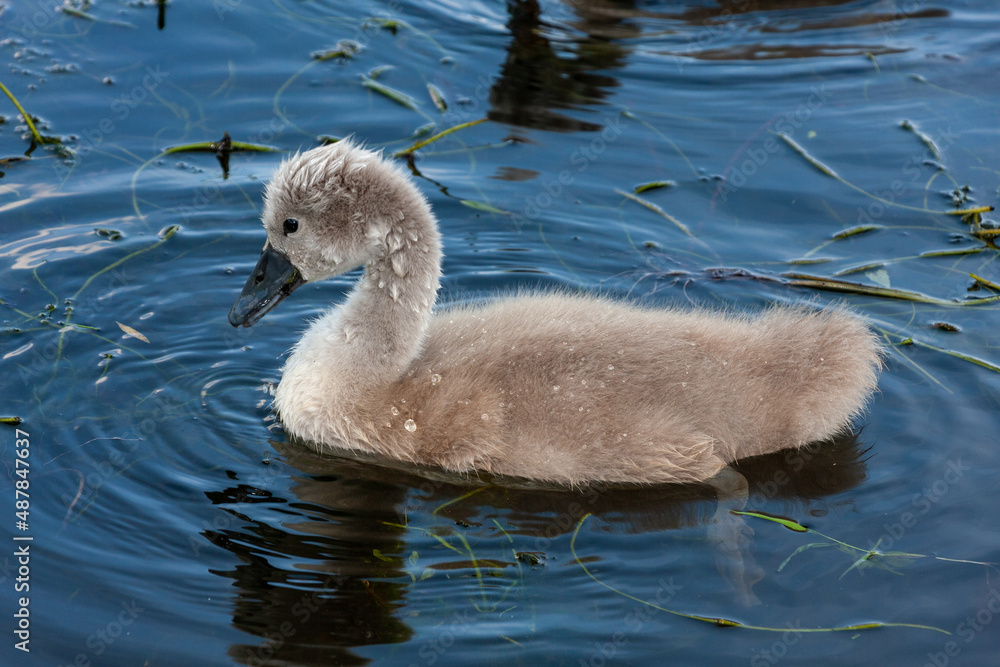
(291, 225)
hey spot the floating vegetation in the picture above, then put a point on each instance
(871, 57)
(726, 622)
(482, 568)
(833, 174)
(868, 557)
(222, 149)
(395, 25)
(653, 185)
(960, 195)
(952, 253)
(855, 231)
(67, 326)
(809, 158)
(379, 71)
(974, 218)
(864, 268)
(628, 114)
(132, 333)
(225, 144)
(480, 206)
(880, 277)
(80, 14)
(970, 211)
(984, 282)
(110, 234)
(790, 524)
(437, 97)
(656, 209)
(458, 499)
(924, 137)
(834, 285)
(397, 96)
(952, 353)
(38, 138)
(423, 130)
(420, 144)
(530, 557)
(344, 50)
(9, 160)
(392, 25)
(164, 235)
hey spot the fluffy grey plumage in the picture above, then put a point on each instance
(550, 387)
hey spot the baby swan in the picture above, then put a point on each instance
(552, 387)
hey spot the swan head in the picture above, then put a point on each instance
(326, 212)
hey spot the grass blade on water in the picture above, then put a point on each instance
(656, 209)
(794, 145)
(653, 185)
(866, 555)
(396, 96)
(481, 206)
(985, 283)
(39, 139)
(725, 622)
(924, 137)
(854, 231)
(214, 146)
(834, 285)
(437, 97)
(344, 50)
(439, 135)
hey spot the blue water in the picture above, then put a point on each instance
(171, 522)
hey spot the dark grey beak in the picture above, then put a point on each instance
(272, 280)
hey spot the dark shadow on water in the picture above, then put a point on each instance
(311, 589)
(541, 74)
(551, 67)
(320, 571)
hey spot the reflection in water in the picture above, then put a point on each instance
(542, 73)
(321, 571)
(551, 66)
(308, 583)
(758, 51)
(731, 23)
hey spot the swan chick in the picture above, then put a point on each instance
(555, 387)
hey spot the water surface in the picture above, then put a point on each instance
(174, 524)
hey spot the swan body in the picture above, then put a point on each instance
(553, 387)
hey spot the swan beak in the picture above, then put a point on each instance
(272, 280)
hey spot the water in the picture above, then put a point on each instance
(173, 524)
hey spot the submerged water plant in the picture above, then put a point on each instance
(728, 622)
(872, 557)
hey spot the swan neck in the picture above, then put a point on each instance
(386, 317)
